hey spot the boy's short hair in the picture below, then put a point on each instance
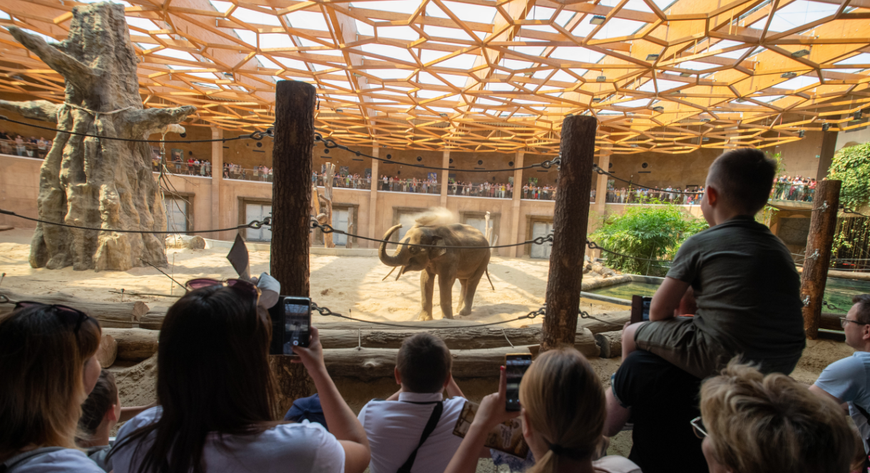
(863, 301)
(424, 363)
(743, 178)
(101, 399)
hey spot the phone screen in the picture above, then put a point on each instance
(647, 301)
(515, 367)
(297, 323)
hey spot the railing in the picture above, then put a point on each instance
(26, 149)
(644, 196)
(496, 191)
(793, 192)
(421, 186)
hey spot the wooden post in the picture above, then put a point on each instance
(291, 212)
(826, 155)
(569, 231)
(823, 223)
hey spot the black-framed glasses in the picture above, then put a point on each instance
(844, 321)
(246, 287)
(68, 315)
(698, 427)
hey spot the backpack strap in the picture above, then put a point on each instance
(9, 465)
(430, 427)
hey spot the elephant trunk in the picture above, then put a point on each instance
(397, 259)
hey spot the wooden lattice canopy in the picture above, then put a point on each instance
(493, 75)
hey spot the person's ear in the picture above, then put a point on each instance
(866, 332)
(527, 426)
(110, 414)
(712, 195)
(397, 375)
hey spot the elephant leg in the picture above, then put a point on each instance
(468, 296)
(461, 307)
(445, 285)
(427, 287)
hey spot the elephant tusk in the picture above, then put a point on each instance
(388, 274)
(401, 272)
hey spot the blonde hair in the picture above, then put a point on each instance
(564, 403)
(42, 359)
(759, 424)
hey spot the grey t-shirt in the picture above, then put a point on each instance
(59, 461)
(849, 381)
(747, 290)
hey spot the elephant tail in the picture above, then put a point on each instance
(488, 279)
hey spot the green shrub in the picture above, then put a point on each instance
(654, 232)
(852, 166)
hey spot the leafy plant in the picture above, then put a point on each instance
(852, 166)
(647, 233)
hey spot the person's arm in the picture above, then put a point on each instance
(452, 388)
(341, 420)
(826, 395)
(617, 415)
(490, 413)
(667, 299)
(128, 413)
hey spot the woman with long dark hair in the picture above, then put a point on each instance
(47, 368)
(216, 397)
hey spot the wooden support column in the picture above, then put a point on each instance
(823, 223)
(291, 213)
(571, 217)
(217, 178)
(373, 198)
(826, 156)
(445, 163)
(515, 251)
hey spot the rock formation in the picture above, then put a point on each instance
(94, 182)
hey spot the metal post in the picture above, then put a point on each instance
(569, 231)
(823, 223)
(291, 213)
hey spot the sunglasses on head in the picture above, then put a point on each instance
(66, 314)
(246, 287)
(698, 427)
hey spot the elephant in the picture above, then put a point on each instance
(448, 263)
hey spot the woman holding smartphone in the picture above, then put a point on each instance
(216, 397)
(563, 412)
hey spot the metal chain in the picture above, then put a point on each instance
(325, 311)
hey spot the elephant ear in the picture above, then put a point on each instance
(439, 249)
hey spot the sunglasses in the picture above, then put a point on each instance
(698, 427)
(245, 287)
(67, 315)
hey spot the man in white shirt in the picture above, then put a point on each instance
(394, 427)
(848, 380)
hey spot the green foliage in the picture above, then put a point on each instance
(646, 232)
(780, 164)
(852, 166)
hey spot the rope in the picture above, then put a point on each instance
(325, 311)
(257, 135)
(255, 224)
(97, 114)
(330, 143)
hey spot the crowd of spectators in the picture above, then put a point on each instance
(17, 145)
(414, 185)
(638, 195)
(795, 188)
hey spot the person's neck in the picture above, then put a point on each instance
(100, 438)
(567, 465)
(721, 216)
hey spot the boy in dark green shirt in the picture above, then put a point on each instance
(743, 278)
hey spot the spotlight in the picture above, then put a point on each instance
(801, 53)
(601, 79)
(685, 74)
(442, 115)
(826, 126)
(801, 134)
(789, 75)
(338, 110)
(857, 115)
(597, 20)
(652, 57)
(658, 108)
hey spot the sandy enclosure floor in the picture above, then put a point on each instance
(348, 285)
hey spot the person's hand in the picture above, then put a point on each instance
(492, 410)
(312, 356)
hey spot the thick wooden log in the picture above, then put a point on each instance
(569, 231)
(291, 213)
(610, 344)
(108, 350)
(372, 363)
(110, 314)
(830, 321)
(134, 344)
(823, 223)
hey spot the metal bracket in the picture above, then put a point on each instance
(814, 256)
(806, 300)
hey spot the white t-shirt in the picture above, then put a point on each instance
(394, 429)
(849, 381)
(60, 461)
(286, 448)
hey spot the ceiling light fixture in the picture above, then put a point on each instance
(659, 108)
(442, 115)
(801, 134)
(789, 75)
(652, 57)
(801, 53)
(597, 20)
(601, 79)
(857, 115)
(685, 74)
(826, 126)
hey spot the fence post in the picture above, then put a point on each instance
(817, 259)
(291, 213)
(569, 231)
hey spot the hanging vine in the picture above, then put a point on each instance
(852, 166)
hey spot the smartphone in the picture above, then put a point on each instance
(291, 324)
(515, 366)
(640, 308)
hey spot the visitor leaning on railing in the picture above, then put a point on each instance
(485, 189)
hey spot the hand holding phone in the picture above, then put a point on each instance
(291, 325)
(515, 367)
